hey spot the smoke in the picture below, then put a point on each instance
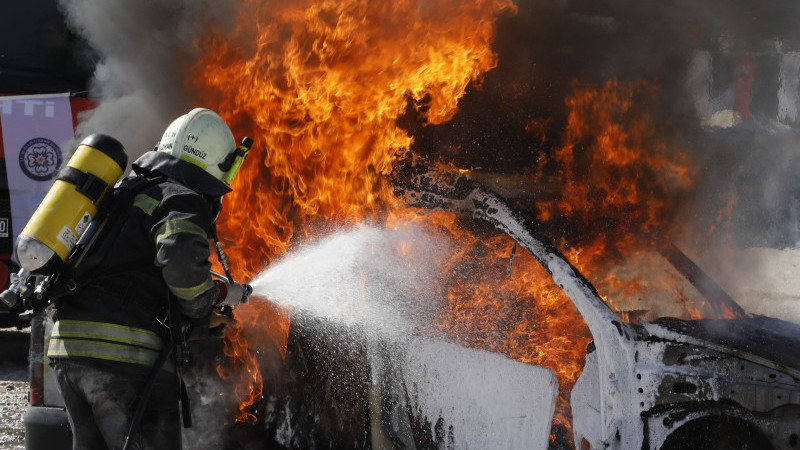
(210, 408)
(728, 77)
(729, 98)
(144, 52)
(727, 71)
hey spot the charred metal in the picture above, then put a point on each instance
(666, 384)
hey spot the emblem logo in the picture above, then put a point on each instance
(40, 159)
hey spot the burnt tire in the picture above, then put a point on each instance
(47, 429)
(717, 432)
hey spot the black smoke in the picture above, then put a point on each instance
(746, 185)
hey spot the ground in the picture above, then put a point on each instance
(13, 393)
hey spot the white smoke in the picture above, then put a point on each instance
(144, 52)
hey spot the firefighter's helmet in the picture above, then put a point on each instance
(202, 138)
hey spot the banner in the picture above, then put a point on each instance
(34, 129)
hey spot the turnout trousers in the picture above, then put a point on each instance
(101, 405)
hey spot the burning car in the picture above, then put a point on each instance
(574, 110)
(666, 384)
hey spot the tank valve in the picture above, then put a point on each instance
(18, 289)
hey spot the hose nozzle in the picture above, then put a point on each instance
(232, 294)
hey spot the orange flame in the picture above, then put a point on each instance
(620, 185)
(506, 305)
(320, 86)
(630, 177)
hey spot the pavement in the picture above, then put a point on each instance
(13, 388)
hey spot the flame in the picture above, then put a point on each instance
(506, 304)
(630, 179)
(620, 184)
(509, 305)
(320, 85)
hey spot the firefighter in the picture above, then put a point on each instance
(110, 338)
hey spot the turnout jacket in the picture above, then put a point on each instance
(118, 318)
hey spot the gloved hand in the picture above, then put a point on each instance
(218, 322)
(214, 325)
(232, 294)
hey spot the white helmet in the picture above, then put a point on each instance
(202, 138)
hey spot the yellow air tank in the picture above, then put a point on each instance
(70, 204)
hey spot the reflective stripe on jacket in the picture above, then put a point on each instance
(111, 342)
